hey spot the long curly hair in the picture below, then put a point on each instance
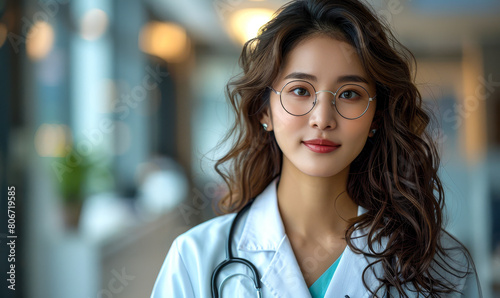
(394, 177)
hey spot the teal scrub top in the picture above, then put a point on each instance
(318, 288)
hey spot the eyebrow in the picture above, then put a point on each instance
(340, 80)
(301, 76)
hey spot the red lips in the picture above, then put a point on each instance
(321, 145)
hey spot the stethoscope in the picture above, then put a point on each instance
(232, 260)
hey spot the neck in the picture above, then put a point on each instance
(313, 207)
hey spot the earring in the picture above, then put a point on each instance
(265, 126)
(373, 131)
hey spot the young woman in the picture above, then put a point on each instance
(337, 172)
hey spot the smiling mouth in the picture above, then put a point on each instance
(321, 145)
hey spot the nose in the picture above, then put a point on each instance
(323, 115)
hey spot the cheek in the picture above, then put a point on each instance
(284, 122)
(357, 131)
(286, 129)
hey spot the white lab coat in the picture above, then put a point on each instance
(260, 238)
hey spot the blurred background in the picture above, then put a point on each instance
(110, 110)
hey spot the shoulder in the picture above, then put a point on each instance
(210, 230)
(257, 220)
(191, 259)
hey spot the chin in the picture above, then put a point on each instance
(321, 172)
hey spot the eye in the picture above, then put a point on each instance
(301, 91)
(349, 94)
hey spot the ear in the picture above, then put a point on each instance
(375, 124)
(266, 118)
(372, 132)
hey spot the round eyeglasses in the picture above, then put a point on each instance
(299, 97)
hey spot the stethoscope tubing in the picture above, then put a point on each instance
(230, 259)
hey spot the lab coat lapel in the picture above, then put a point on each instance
(347, 280)
(264, 231)
(283, 276)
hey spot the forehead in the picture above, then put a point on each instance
(324, 57)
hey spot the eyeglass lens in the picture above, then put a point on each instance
(298, 98)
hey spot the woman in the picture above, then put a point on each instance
(331, 142)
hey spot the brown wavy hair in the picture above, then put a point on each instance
(395, 175)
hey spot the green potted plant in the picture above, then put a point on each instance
(77, 177)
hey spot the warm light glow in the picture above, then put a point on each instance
(473, 105)
(245, 24)
(93, 24)
(3, 34)
(52, 139)
(165, 40)
(39, 40)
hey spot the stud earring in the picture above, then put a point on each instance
(265, 126)
(373, 131)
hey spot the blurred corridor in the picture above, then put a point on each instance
(111, 110)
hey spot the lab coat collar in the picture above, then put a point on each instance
(264, 231)
(263, 228)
